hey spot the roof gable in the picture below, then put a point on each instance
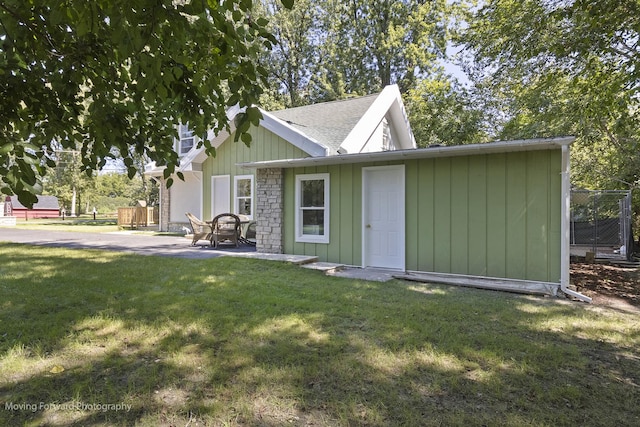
(346, 126)
(329, 122)
(387, 105)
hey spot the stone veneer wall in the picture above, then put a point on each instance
(269, 210)
(165, 205)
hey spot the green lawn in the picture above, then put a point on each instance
(230, 341)
(81, 224)
(84, 225)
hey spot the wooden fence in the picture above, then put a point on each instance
(138, 216)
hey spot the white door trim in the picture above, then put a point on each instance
(398, 262)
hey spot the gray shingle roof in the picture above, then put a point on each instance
(329, 123)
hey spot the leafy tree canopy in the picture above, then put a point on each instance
(442, 112)
(117, 75)
(328, 49)
(565, 67)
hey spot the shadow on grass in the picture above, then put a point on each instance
(245, 342)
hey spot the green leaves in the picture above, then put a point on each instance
(117, 77)
(554, 68)
(443, 113)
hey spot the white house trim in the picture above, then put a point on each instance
(418, 153)
(293, 136)
(269, 122)
(565, 232)
(236, 197)
(299, 234)
(387, 104)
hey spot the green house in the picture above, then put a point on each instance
(344, 181)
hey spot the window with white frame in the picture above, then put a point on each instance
(187, 139)
(243, 195)
(312, 208)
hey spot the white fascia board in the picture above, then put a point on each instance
(186, 162)
(269, 122)
(293, 136)
(388, 102)
(198, 155)
(565, 223)
(419, 153)
(400, 121)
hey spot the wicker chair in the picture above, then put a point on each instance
(201, 229)
(250, 233)
(225, 226)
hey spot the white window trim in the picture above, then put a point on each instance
(307, 238)
(181, 139)
(235, 193)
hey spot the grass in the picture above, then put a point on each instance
(84, 225)
(88, 224)
(230, 341)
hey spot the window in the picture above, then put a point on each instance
(187, 140)
(243, 196)
(312, 208)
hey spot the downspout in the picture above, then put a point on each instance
(565, 232)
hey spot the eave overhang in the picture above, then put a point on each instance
(419, 153)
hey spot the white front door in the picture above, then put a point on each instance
(383, 217)
(220, 194)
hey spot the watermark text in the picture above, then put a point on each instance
(67, 406)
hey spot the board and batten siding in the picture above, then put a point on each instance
(494, 215)
(345, 232)
(265, 145)
(345, 221)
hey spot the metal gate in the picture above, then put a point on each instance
(601, 223)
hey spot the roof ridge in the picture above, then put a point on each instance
(335, 101)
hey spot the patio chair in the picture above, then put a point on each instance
(201, 229)
(250, 233)
(225, 226)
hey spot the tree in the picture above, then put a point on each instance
(291, 61)
(120, 74)
(114, 190)
(373, 43)
(566, 67)
(333, 49)
(582, 37)
(66, 181)
(442, 112)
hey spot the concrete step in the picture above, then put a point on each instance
(326, 267)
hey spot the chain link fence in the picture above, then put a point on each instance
(601, 223)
